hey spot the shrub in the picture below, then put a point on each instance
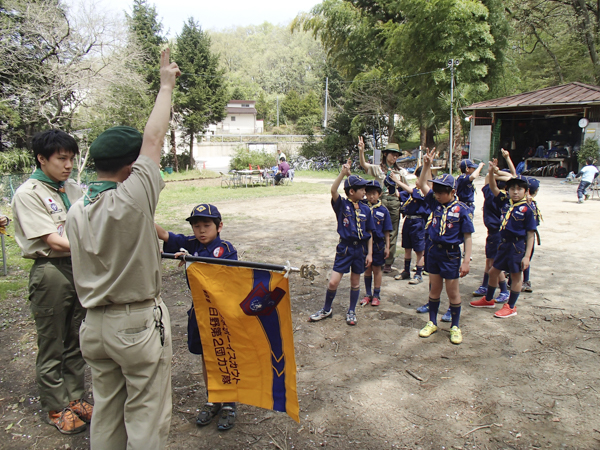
(589, 149)
(16, 161)
(243, 158)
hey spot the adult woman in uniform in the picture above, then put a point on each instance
(387, 168)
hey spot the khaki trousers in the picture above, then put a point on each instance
(59, 366)
(131, 375)
(392, 203)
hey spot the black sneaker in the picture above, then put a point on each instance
(320, 315)
(404, 275)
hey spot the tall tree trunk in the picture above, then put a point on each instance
(192, 162)
(391, 136)
(172, 126)
(457, 129)
(587, 28)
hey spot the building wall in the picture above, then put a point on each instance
(243, 124)
(481, 139)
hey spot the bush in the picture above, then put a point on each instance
(589, 149)
(243, 158)
(16, 161)
(183, 160)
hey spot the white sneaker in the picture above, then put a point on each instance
(320, 315)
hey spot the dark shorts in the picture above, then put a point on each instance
(492, 241)
(443, 261)
(509, 255)
(413, 234)
(350, 255)
(194, 343)
(378, 253)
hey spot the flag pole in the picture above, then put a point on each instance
(230, 262)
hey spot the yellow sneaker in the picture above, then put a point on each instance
(455, 335)
(428, 329)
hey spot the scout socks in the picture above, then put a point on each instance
(489, 296)
(353, 298)
(502, 286)
(419, 271)
(329, 299)
(377, 292)
(434, 306)
(368, 282)
(407, 265)
(512, 300)
(455, 312)
(526, 274)
(486, 278)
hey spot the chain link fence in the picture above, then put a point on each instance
(10, 183)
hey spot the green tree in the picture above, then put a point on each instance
(290, 105)
(202, 92)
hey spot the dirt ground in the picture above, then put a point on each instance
(530, 381)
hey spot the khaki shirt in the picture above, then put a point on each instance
(375, 171)
(38, 210)
(115, 250)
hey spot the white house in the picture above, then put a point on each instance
(241, 119)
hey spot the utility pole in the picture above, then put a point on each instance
(452, 63)
(278, 111)
(327, 95)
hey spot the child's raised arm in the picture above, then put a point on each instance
(426, 171)
(492, 180)
(345, 172)
(475, 174)
(509, 162)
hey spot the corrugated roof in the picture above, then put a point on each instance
(236, 110)
(567, 94)
(242, 101)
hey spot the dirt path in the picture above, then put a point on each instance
(531, 381)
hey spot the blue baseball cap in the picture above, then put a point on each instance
(445, 180)
(467, 163)
(519, 180)
(354, 181)
(533, 184)
(374, 184)
(204, 210)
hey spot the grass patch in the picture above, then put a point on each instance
(324, 174)
(189, 175)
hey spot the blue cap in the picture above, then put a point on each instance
(204, 210)
(533, 184)
(519, 180)
(354, 181)
(374, 184)
(445, 180)
(390, 185)
(467, 163)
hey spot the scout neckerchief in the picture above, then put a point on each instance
(376, 205)
(357, 216)
(444, 217)
(509, 212)
(96, 187)
(58, 187)
(537, 211)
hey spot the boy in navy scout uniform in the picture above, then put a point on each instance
(381, 243)
(355, 249)
(464, 183)
(206, 223)
(415, 211)
(451, 225)
(492, 218)
(533, 187)
(40, 208)
(517, 231)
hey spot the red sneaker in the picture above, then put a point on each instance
(365, 301)
(506, 311)
(375, 301)
(483, 303)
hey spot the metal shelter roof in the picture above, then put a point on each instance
(570, 94)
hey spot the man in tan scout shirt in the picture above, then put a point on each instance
(40, 208)
(126, 335)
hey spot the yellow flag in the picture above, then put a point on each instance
(245, 321)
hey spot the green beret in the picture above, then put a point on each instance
(392, 148)
(117, 142)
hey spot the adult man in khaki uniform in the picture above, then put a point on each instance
(40, 208)
(126, 335)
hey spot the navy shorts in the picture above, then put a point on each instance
(378, 253)
(350, 254)
(492, 241)
(194, 343)
(443, 261)
(413, 234)
(509, 255)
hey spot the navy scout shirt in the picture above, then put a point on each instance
(449, 222)
(465, 189)
(517, 218)
(353, 223)
(415, 204)
(381, 220)
(492, 215)
(215, 249)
